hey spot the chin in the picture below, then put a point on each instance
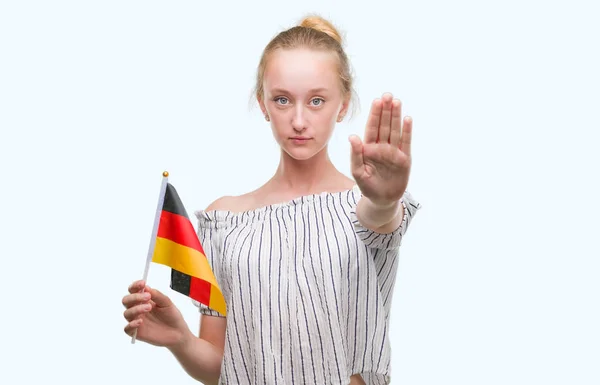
(304, 153)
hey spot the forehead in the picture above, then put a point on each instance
(301, 69)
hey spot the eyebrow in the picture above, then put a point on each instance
(283, 91)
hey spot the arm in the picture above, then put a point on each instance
(382, 219)
(201, 357)
(159, 323)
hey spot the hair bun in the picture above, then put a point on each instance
(322, 25)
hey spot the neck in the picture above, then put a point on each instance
(304, 176)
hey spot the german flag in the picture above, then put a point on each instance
(177, 246)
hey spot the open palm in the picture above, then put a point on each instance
(381, 163)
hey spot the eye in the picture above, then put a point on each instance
(316, 102)
(282, 100)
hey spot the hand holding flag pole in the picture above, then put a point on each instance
(161, 199)
(175, 243)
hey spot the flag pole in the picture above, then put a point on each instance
(161, 199)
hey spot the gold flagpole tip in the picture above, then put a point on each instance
(165, 174)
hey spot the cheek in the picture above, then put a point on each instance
(330, 113)
(276, 129)
(326, 121)
(278, 122)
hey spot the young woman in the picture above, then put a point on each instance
(307, 261)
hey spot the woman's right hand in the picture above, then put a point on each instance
(156, 318)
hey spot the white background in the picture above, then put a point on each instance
(499, 273)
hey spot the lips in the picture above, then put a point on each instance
(299, 139)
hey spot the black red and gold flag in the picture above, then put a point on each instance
(178, 246)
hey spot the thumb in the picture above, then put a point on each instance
(159, 298)
(356, 157)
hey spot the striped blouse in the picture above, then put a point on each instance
(308, 290)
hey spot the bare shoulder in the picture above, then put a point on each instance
(233, 203)
(226, 202)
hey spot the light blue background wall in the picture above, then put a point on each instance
(498, 279)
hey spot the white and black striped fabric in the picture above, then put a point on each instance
(308, 290)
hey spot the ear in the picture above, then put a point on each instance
(263, 109)
(344, 109)
(261, 104)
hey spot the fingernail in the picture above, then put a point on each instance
(147, 307)
(146, 295)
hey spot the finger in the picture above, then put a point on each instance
(159, 298)
(134, 312)
(406, 140)
(135, 299)
(136, 286)
(132, 326)
(372, 128)
(396, 123)
(385, 125)
(356, 157)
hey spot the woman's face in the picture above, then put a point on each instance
(303, 99)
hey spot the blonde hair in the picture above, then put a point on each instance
(313, 32)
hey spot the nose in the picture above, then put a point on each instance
(299, 120)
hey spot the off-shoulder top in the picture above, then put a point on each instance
(308, 290)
